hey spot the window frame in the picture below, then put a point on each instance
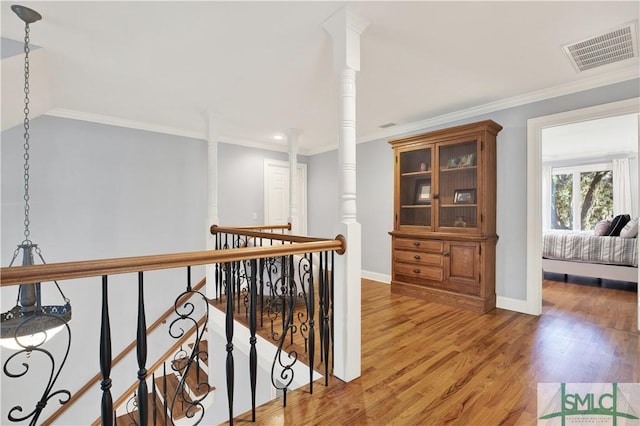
(576, 205)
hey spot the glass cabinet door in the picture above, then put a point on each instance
(415, 188)
(458, 186)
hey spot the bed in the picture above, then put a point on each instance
(585, 254)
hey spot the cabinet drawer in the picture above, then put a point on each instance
(418, 257)
(426, 272)
(421, 245)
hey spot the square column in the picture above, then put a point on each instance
(345, 29)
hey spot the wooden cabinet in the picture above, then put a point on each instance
(444, 233)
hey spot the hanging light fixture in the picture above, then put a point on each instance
(29, 324)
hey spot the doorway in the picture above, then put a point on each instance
(534, 186)
(276, 194)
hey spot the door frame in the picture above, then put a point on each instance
(534, 186)
(302, 190)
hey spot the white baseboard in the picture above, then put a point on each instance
(376, 276)
(510, 304)
(507, 303)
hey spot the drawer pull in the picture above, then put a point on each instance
(416, 257)
(416, 243)
(445, 254)
(416, 271)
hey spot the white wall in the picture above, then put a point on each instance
(99, 191)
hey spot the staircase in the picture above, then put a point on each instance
(260, 285)
(176, 395)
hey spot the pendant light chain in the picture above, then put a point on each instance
(27, 221)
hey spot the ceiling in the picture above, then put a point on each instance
(604, 138)
(263, 67)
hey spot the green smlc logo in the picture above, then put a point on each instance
(613, 405)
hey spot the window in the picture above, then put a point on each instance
(581, 196)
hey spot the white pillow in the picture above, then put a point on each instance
(630, 230)
(602, 227)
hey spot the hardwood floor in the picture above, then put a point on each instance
(430, 364)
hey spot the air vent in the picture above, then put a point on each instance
(614, 46)
(385, 126)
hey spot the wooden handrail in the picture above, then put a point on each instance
(251, 232)
(286, 226)
(95, 379)
(16, 275)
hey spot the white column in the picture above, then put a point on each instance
(293, 136)
(345, 29)
(213, 136)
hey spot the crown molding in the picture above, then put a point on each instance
(617, 76)
(612, 77)
(254, 144)
(138, 125)
(327, 148)
(121, 122)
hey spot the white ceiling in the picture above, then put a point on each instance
(603, 138)
(263, 67)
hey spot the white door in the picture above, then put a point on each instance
(276, 194)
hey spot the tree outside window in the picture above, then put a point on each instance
(581, 196)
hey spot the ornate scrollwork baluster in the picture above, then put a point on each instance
(307, 318)
(27, 353)
(286, 373)
(185, 362)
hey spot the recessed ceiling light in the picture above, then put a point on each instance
(278, 137)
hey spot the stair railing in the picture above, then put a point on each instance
(116, 360)
(281, 290)
(225, 260)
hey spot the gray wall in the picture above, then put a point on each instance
(100, 191)
(375, 186)
(322, 199)
(241, 183)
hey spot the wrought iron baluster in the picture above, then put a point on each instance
(164, 393)
(321, 284)
(106, 407)
(288, 305)
(154, 405)
(253, 355)
(238, 282)
(285, 292)
(291, 296)
(262, 264)
(141, 351)
(331, 288)
(325, 318)
(184, 362)
(217, 271)
(132, 410)
(229, 334)
(311, 315)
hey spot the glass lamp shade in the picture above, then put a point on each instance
(21, 330)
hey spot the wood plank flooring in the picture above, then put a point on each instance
(430, 364)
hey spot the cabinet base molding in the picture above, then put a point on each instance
(458, 300)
